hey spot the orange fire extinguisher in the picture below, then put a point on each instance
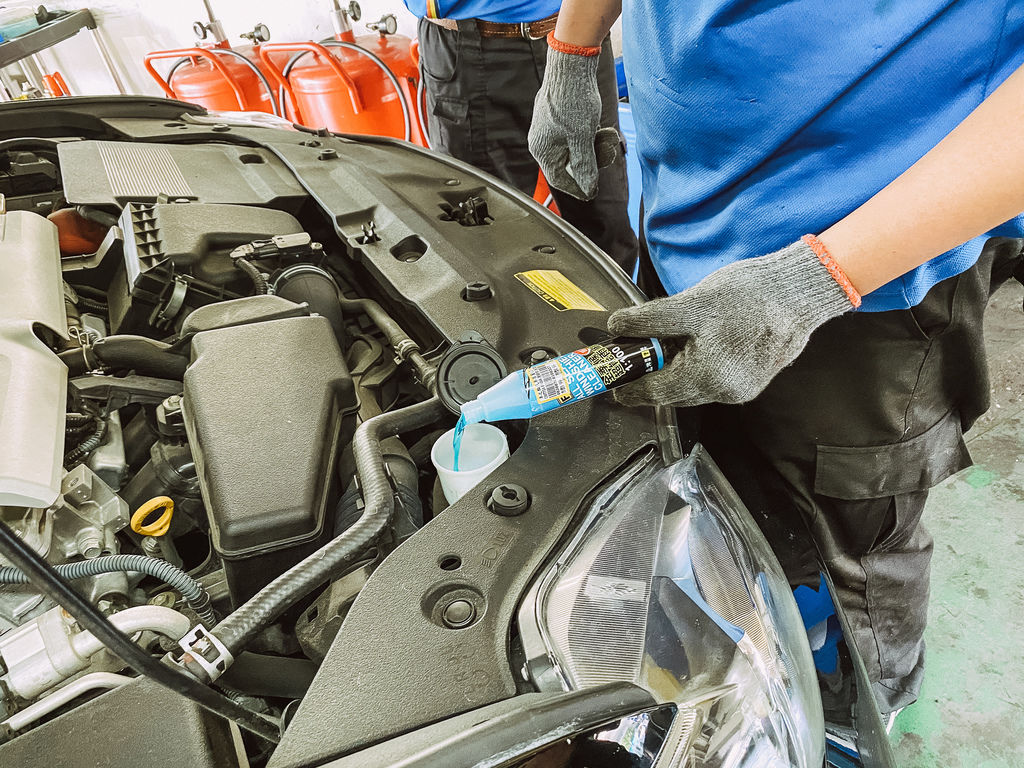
(215, 75)
(359, 85)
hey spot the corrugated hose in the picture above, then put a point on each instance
(191, 590)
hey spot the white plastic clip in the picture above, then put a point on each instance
(206, 650)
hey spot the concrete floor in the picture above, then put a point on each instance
(971, 711)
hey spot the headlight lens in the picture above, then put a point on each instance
(670, 585)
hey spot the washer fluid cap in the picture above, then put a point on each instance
(468, 368)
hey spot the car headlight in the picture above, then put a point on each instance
(669, 584)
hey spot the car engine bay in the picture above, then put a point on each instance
(236, 345)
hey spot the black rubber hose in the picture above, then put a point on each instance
(265, 606)
(96, 216)
(146, 357)
(279, 677)
(92, 305)
(259, 282)
(88, 445)
(309, 284)
(191, 590)
(29, 142)
(419, 451)
(328, 299)
(76, 422)
(45, 579)
(403, 345)
(76, 433)
(75, 360)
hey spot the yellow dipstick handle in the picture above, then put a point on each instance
(161, 525)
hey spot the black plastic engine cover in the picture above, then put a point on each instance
(112, 173)
(139, 724)
(263, 416)
(184, 248)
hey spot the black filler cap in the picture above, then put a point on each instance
(468, 368)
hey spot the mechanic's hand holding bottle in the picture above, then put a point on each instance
(738, 327)
(728, 336)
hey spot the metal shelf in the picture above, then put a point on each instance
(49, 34)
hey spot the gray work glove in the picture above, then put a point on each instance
(566, 136)
(735, 330)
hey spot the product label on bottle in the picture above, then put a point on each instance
(592, 370)
(549, 382)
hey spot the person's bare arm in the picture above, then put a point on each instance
(972, 181)
(586, 22)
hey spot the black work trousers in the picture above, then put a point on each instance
(835, 458)
(480, 94)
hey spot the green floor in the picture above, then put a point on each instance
(971, 712)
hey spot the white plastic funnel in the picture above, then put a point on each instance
(484, 449)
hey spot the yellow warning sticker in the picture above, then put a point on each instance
(558, 290)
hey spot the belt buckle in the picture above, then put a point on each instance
(524, 30)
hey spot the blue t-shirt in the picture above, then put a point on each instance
(507, 11)
(761, 120)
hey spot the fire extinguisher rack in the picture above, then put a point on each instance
(57, 30)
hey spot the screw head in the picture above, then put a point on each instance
(458, 614)
(509, 500)
(327, 154)
(89, 542)
(164, 599)
(538, 356)
(151, 546)
(220, 127)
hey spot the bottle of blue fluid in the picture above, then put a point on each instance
(566, 379)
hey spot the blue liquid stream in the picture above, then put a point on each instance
(460, 427)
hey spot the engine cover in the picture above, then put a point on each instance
(263, 416)
(176, 256)
(33, 382)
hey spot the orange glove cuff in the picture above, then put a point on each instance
(576, 50)
(833, 268)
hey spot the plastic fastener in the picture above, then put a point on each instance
(458, 614)
(509, 500)
(477, 291)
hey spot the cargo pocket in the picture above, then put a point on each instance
(875, 547)
(450, 128)
(451, 108)
(876, 471)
